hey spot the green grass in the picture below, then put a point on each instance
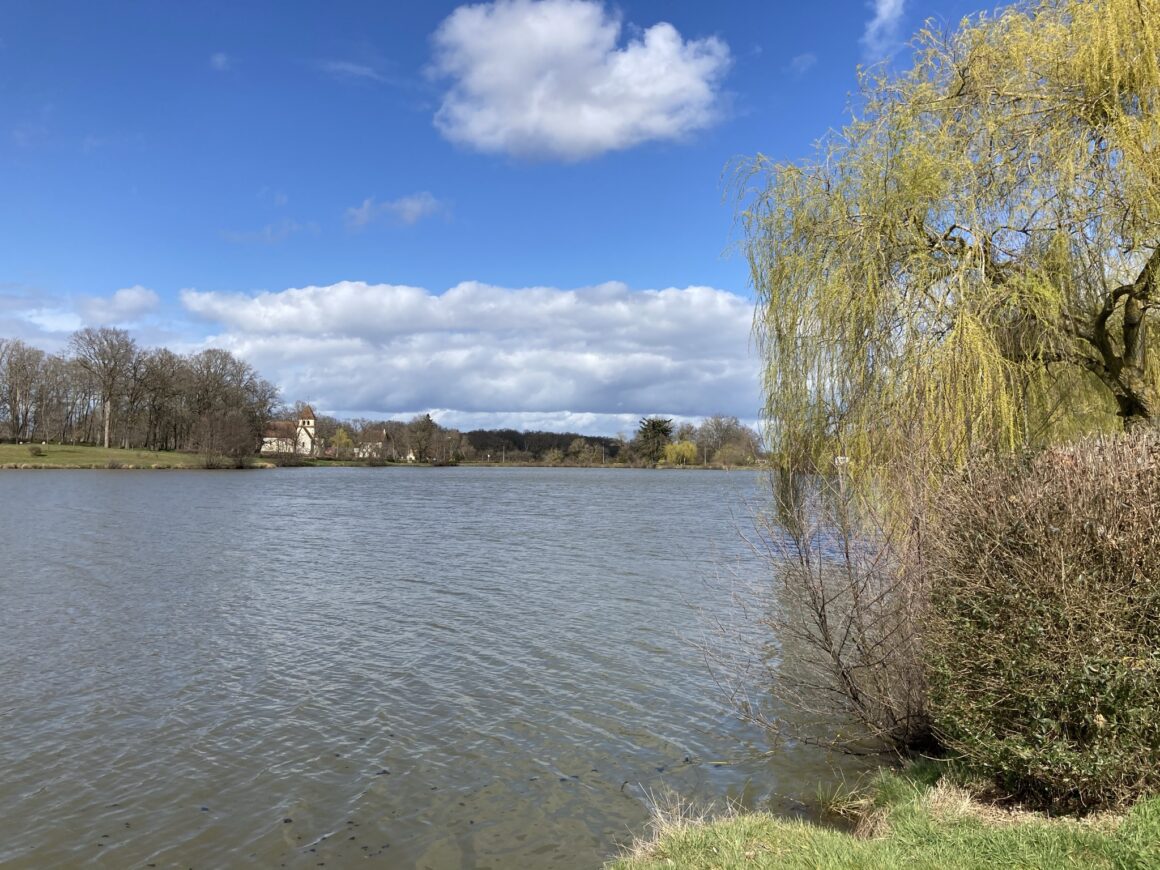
(906, 822)
(71, 456)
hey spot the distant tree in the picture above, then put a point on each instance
(681, 453)
(107, 355)
(583, 451)
(714, 432)
(166, 381)
(445, 446)
(420, 434)
(231, 405)
(325, 427)
(734, 453)
(342, 443)
(62, 400)
(652, 435)
(394, 440)
(21, 368)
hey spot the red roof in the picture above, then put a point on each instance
(307, 413)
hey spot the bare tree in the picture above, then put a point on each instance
(420, 433)
(20, 370)
(231, 405)
(107, 354)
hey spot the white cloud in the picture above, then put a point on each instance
(52, 319)
(344, 69)
(800, 64)
(270, 234)
(406, 209)
(220, 62)
(550, 78)
(124, 306)
(881, 37)
(587, 359)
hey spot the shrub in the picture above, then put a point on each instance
(287, 460)
(1044, 646)
(841, 662)
(35, 450)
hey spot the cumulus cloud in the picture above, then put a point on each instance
(587, 359)
(552, 79)
(124, 306)
(881, 36)
(406, 209)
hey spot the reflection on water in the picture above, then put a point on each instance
(427, 667)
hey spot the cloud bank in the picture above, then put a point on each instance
(551, 79)
(591, 359)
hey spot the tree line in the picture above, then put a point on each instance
(718, 440)
(106, 389)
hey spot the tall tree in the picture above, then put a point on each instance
(975, 258)
(21, 367)
(231, 405)
(107, 354)
(652, 435)
(420, 435)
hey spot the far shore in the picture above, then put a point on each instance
(48, 456)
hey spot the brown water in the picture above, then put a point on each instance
(364, 667)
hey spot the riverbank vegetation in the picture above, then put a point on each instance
(914, 819)
(957, 299)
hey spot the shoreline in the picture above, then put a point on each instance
(58, 457)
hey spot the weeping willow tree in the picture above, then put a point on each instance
(973, 260)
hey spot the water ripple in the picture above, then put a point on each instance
(431, 668)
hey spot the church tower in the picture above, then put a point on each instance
(306, 442)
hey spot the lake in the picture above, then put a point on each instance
(461, 667)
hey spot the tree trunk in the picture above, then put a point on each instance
(108, 406)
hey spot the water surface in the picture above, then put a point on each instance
(421, 667)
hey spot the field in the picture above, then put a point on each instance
(75, 456)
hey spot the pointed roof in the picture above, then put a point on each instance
(307, 413)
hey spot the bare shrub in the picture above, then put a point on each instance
(841, 655)
(35, 450)
(1044, 646)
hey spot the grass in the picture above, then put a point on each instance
(75, 456)
(906, 821)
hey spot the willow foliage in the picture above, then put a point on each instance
(973, 260)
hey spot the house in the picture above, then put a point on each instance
(287, 436)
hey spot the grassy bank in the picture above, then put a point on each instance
(906, 821)
(76, 456)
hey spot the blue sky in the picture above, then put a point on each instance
(510, 213)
